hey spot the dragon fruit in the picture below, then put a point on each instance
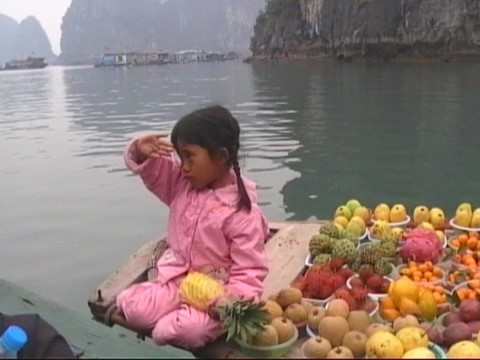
(421, 245)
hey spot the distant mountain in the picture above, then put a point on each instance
(17, 41)
(90, 27)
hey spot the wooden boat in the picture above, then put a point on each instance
(26, 64)
(86, 338)
(287, 248)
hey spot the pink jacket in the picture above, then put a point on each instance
(205, 231)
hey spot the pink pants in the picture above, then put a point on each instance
(150, 305)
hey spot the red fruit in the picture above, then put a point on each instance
(324, 292)
(469, 310)
(342, 292)
(359, 294)
(375, 282)
(337, 281)
(385, 286)
(336, 264)
(356, 282)
(346, 273)
(366, 274)
(352, 304)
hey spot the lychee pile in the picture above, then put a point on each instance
(370, 281)
(321, 281)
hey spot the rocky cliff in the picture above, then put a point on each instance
(367, 28)
(90, 27)
(19, 40)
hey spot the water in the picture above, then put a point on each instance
(313, 136)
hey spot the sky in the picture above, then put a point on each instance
(48, 12)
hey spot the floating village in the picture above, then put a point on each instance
(160, 57)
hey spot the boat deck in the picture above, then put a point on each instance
(286, 248)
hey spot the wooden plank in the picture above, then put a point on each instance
(85, 336)
(132, 271)
(279, 225)
(286, 254)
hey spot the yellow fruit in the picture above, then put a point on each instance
(419, 353)
(412, 338)
(398, 213)
(464, 350)
(475, 222)
(409, 307)
(384, 345)
(199, 290)
(341, 220)
(463, 218)
(426, 225)
(404, 288)
(421, 214)
(389, 314)
(428, 305)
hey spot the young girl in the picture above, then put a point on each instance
(215, 225)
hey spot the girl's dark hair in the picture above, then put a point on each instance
(214, 128)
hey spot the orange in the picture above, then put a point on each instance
(463, 239)
(387, 303)
(423, 267)
(437, 271)
(456, 243)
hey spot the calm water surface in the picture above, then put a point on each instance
(314, 135)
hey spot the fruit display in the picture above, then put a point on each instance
(406, 297)
(396, 214)
(337, 332)
(322, 280)
(422, 272)
(403, 292)
(465, 242)
(332, 241)
(421, 245)
(466, 218)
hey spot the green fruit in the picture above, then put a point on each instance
(370, 253)
(353, 204)
(344, 249)
(319, 244)
(383, 267)
(341, 220)
(343, 211)
(322, 259)
(330, 229)
(388, 249)
(355, 228)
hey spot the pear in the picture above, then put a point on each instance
(273, 308)
(405, 322)
(296, 313)
(314, 317)
(463, 218)
(359, 320)
(355, 341)
(465, 206)
(266, 337)
(382, 212)
(353, 204)
(437, 218)
(421, 214)
(316, 348)
(343, 211)
(398, 213)
(340, 352)
(362, 212)
(285, 329)
(341, 220)
(475, 222)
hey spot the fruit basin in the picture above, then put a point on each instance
(373, 295)
(419, 273)
(264, 352)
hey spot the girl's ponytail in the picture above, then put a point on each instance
(244, 203)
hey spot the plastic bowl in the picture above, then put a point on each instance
(318, 302)
(264, 352)
(403, 223)
(375, 296)
(437, 350)
(462, 228)
(449, 244)
(398, 275)
(464, 285)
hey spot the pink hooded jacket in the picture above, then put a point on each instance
(205, 231)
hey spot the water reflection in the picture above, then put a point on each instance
(393, 133)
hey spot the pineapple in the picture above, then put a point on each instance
(241, 318)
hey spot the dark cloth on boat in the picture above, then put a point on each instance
(44, 341)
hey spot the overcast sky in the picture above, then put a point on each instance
(48, 12)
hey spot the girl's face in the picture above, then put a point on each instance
(200, 169)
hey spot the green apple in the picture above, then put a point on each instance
(343, 211)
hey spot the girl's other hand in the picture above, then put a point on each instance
(153, 146)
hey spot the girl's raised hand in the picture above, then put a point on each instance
(153, 146)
